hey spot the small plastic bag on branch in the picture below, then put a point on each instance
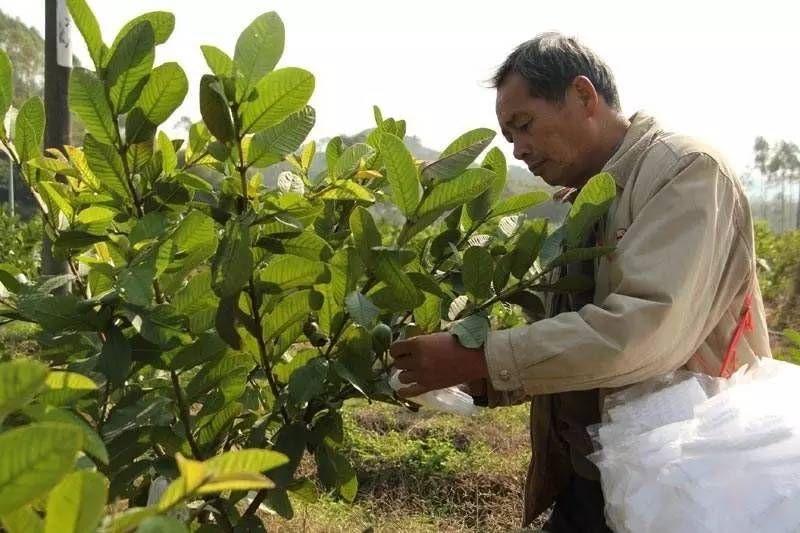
(450, 400)
(689, 452)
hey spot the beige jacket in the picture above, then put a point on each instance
(669, 296)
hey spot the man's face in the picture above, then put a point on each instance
(552, 139)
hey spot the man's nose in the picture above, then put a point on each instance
(521, 151)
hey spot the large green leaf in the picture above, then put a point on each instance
(291, 271)
(90, 30)
(518, 203)
(163, 93)
(162, 22)
(164, 326)
(210, 429)
(57, 313)
(336, 472)
(401, 172)
(247, 460)
(6, 84)
(29, 129)
(62, 388)
(115, 357)
(92, 443)
(308, 381)
(218, 61)
(349, 160)
(348, 190)
(452, 193)
(365, 233)
(258, 50)
(308, 245)
(270, 145)
(387, 269)
(591, 205)
(214, 108)
(77, 503)
(107, 166)
(471, 331)
(459, 154)
(162, 524)
(528, 245)
(496, 162)
(477, 272)
(33, 459)
(129, 64)
(20, 380)
(361, 309)
(279, 94)
(295, 307)
(233, 262)
(23, 520)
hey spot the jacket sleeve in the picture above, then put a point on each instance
(663, 277)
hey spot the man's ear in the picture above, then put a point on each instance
(586, 94)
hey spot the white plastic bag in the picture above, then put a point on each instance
(450, 400)
(687, 452)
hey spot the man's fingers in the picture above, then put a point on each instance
(399, 349)
(411, 391)
(405, 363)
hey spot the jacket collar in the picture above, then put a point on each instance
(639, 137)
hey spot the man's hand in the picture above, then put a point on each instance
(436, 361)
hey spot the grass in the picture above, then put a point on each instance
(421, 472)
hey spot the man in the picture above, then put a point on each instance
(669, 296)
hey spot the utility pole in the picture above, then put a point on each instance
(57, 66)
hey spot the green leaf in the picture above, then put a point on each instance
(77, 503)
(387, 269)
(348, 190)
(471, 331)
(530, 303)
(92, 443)
(218, 61)
(136, 282)
(270, 145)
(528, 245)
(247, 460)
(130, 518)
(209, 432)
(115, 357)
(349, 160)
(233, 263)
(214, 109)
(496, 162)
(290, 310)
(107, 166)
(428, 315)
(129, 64)
(308, 245)
(20, 380)
(162, 524)
(90, 30)
(401, 172)
(308, 381)
(56, 313)
(163, 93)
(63, 388)
(33, 459)
(29, 129)
(6, 84)
(477, 272)
(290, 271)
(518, 203)
(335, 471)
(454, 192)
(459, 155)
(365, 233)
(23, 520)
(258, 50)
(164, 326)
(278, 95)
(162, 22)
(333, 151)
(169, 158)
(361, 309)
(87, 98)
(591, 205)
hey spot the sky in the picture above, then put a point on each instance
(724, 71)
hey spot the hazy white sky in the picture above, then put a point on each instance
(723, 70)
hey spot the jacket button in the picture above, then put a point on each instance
(505, 375)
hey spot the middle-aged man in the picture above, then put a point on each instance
(671, 295)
